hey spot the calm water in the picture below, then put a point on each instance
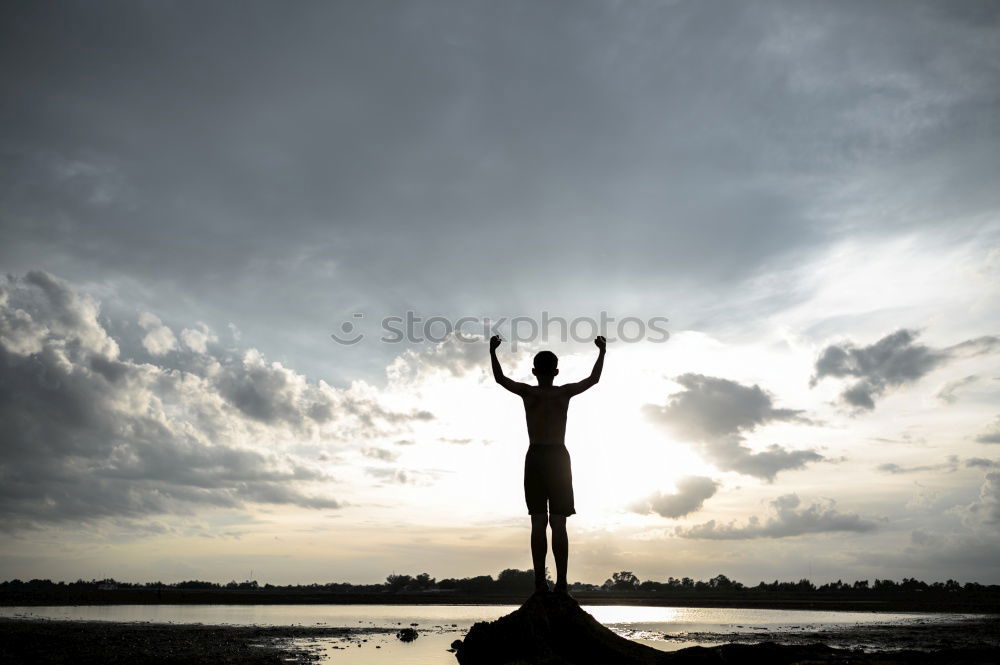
(439, 625)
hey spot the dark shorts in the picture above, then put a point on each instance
(548, 479)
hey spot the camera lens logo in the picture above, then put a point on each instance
(347, 328)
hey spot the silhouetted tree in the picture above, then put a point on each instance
(624, 580)
(512, 579)
(397, 582)
(723, 583)
(421, 582)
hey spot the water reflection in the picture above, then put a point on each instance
(661, 619)
(439, 625)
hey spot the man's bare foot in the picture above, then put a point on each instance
(541, 587)
(561, 588)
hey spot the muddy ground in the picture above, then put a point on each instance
(45, 642)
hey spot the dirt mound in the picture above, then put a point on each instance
(552, 629)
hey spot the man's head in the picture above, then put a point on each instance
(546, 364)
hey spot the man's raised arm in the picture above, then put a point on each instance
(595, 374)
(509, 384)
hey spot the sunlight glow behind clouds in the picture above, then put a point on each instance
(776, 178)
(462, 461)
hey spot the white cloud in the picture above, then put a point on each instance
(985, 510)
(381, 454)
(390, 475)
(990, 434)
(948, 391)
(454, 356)
(789, 520)
(198, 339)
(159, 338)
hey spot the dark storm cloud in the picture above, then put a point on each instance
(790, 519)
(305, 160)
(716, 413)
(416, 119)
(893, 361)
(691, 494)
(89, 433)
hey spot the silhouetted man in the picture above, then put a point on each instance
(548, 479)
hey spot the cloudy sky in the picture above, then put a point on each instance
(195, 198)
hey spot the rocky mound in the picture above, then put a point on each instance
(552, 629)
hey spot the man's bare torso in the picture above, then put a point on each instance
(545, 409)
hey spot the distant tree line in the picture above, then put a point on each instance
(627, 581)
(187, 585)
(513, 581)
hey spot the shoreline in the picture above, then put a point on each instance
(44, 641)
(82, 642)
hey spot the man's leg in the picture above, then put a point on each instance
(539, 548)
(560, 549)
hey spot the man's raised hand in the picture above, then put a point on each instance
(601, 342)
(495, 342)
